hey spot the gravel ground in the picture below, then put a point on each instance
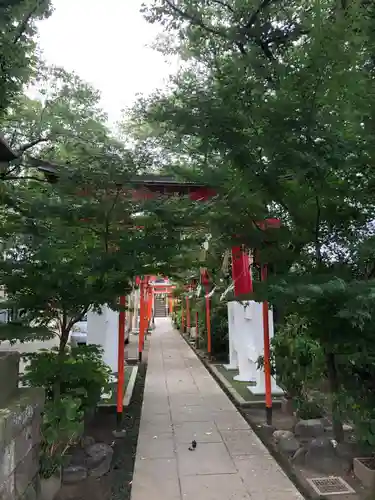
(117, 484)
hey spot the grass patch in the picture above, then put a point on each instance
(112, 399)
(240, 387)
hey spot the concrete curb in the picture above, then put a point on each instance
(130, 386)
(128, 391)
(240, 401)
(226, 385)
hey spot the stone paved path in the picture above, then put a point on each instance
(183, 402)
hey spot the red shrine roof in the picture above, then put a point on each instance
(152, 183)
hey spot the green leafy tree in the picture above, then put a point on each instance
(18, 60)
(274, 109)
(66, 109)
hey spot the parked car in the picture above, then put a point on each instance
(78, 334)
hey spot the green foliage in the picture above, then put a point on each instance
(219, 326)
(296, 358)
(307, 409)
(177, 317)
(282, 129)
(18, 331)
(61, 427)
(80, 243)
(79, 373)
(18, 45)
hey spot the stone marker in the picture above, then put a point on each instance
(320, 454)
(74, 474)
(99, 459)
(311, 428)
(286, 442)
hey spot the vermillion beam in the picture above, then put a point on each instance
(182, 317)
(121, 360)
(267, 361)
(142, 318)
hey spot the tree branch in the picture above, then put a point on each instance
(263, 5)
(31, 144)
(223, 4)
(194, 20)
(25, 178)
(23, 25)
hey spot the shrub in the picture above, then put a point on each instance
(296, 359)
(78, 373)
(61, 427)
(219, 327)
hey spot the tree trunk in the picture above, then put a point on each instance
(338, 431)
(63, 341)
(60, 359)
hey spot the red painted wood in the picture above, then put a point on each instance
(241, 272)
(121, 357)
(266, 340)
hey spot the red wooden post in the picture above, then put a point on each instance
(182, 316)
(121, 360)
(271, 223)
(142, 317)
(205, 283)
(267, 361)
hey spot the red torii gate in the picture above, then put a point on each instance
(148, 187)
(241, 272)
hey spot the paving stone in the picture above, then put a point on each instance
(155, 404)
(214, 487)
(207, 458)
(161, 446)
(155, 428)
(186, 400)
(201, 432)
(243, 442)
(219, 402)
(264, 479)
(191, 414)
(229, 463)
(155, 479)
(230, 420)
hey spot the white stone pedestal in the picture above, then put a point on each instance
(192, 332)
(102, 329)
(246, 343)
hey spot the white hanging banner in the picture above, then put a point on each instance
(206, 244)
(224, 294)
(209, 295)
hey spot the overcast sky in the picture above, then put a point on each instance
(105, 42)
